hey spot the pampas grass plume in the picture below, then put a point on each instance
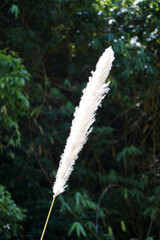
(84, 117)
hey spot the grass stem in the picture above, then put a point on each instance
(49, 213)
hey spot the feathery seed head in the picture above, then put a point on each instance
(84, 117)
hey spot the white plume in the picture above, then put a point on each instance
(84, 117)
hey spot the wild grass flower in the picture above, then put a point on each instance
(84, 117)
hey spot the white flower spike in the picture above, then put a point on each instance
(84, 117)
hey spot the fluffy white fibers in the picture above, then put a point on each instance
(84, 117)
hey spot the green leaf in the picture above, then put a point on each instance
(123, 226)
(110, 231)
(125, 194)
(126, 152)
(79, 198)
(112, 176)
(14, 9)
(78, 228)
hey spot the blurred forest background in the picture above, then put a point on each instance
(48, 49)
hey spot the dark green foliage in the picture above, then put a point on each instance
(117, 174)
(11, 216)
(13, 101)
